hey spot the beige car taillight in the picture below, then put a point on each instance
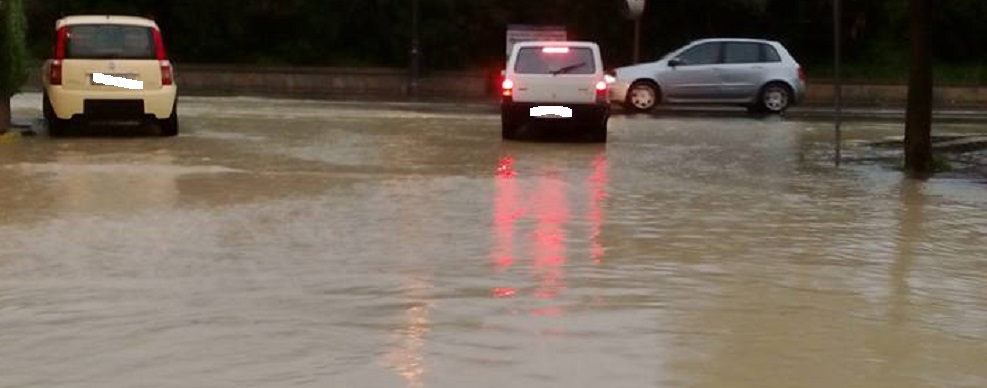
(167, 72)
(55, 72)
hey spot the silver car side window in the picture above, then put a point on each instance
(742, 52)
(770, 54)
(703, 54)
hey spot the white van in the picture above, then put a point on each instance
(555, 81)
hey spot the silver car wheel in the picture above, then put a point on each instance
(642, 97)
(775, 98)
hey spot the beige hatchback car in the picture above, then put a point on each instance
(109, 68)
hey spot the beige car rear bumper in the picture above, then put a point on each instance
(67, 104)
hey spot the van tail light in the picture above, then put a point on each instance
(55, 72)
(802, 74)
(555, 50)
(167, 73)
(507, 88)
(601, 91)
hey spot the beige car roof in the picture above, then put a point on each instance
(105, 19)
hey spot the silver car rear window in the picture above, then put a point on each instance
(555, 60)
(771, 55)
(109, 41)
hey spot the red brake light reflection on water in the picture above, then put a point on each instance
(555, 50)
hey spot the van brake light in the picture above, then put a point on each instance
(508, 87)
(555, 50)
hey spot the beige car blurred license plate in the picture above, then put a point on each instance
(132, 77)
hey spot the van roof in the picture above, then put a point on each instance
(565, 43)
(105, 19)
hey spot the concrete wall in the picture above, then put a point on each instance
(326, 82)
(821, 92)
(384, 83)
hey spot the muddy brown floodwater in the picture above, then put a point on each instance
(286, 243)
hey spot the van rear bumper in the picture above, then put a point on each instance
(68, 104)
(522, 110)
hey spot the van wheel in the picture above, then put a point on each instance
(508, 126)
(642, 96)
(598, 133)
(169, 126)
(775, 98)
(56, 127)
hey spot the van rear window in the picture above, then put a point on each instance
(109, 41)
(555, 60)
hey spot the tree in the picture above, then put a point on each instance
(13, 55)
(918, 120)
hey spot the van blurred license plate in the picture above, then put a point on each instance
(132, 77)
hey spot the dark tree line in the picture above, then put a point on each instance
(462, 34)
(12, 55)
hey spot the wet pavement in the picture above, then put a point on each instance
(286, 243)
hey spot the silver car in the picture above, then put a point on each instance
(758, 74)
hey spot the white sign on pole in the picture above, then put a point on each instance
(635, 8)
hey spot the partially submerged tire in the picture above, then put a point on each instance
(599, 133)
(598, 129)
(508, 126)
(56, 127)
(169, 126)
(775, 98)
(642, 96)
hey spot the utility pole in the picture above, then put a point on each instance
(637, 40)
(918, 118)
(837, 81)
(415, 51)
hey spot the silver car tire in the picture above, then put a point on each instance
(642, 97)
(776, 98)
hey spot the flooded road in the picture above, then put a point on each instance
(292, 243)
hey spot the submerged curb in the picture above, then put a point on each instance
(9, 137)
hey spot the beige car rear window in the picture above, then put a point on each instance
(108, 41)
